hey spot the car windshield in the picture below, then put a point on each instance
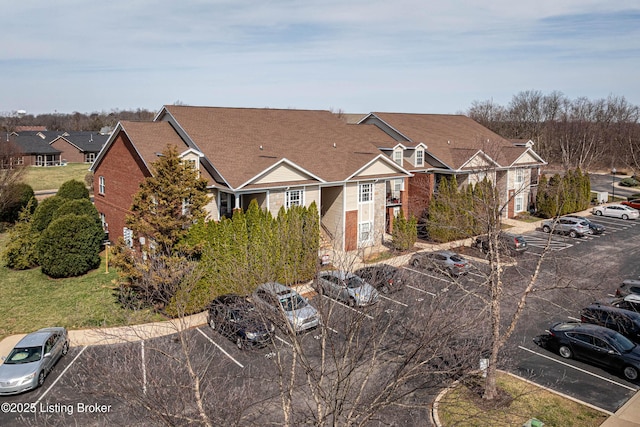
(456, 258)
(24, 355)
(292, 303)
(622, 343)
(354, 282)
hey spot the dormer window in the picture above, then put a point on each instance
(397, 156)
(420, 157)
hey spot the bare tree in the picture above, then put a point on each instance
(12, 171)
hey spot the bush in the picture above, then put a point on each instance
(77, 207)
(20, 252)
(44, 212)
(18, 197)
(70, 246)
(405, 233)
(73, 189)
(629, 182)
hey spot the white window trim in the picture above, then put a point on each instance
(101, 185)
(397, 156)
(420, 159)
(519, 176)
(370, 192)
(519, 200)
(289, 193)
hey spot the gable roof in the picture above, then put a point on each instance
(84, 141)
(242, 143)
(451, 139)
(31, 143)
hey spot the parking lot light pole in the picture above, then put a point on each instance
(613, 184)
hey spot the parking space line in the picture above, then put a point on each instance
(144, 369)
(392, 300)
(284, 341)
(220, 348)
(61, 374)
(573, 318)
(428, 275)
(580, 369)
(350, 308)
(421, 290)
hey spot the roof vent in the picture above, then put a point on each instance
(261, 147)
(334, 145)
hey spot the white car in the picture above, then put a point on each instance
(616, 210)
(346, 287)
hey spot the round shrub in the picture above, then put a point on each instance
(70, 246)
(77, 207)
(44, 212)
(629, 182)
(73, 189)
(18, 197)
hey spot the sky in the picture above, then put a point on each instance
(386, 56)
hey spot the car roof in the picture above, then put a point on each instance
(632, 298)
(231, 299)
(582, 327)
(613, 309)
(33, 339)
(276, 288)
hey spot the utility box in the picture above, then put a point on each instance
(603, 197)
(533, 423)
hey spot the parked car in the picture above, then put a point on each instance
(347, 287)
(635, 203)
(384, 277)
(594, 344)
(237, 319)
(31, 360)
(616, 210)
(574, 227)
(507, 243)
(287, 305)
(595, 227)
(448, 262)
(623, 321)
(629, 302)
(628, 286)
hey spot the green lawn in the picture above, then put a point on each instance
(31, 300)
(41, 178)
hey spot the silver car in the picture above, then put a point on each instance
(448, 262)
(32, 359)
(573, 226)
(616, 210)
(346, 287)
(279, 298)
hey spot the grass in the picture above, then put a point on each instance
(31, 300)
(463, 406)
(41, 178)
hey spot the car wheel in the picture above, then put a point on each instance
(546, 229)
(573, 234)
(565, 352)
(415, 263)
(630, 373)
(212, 323)
(599, 213)
(240, 343)
(41, 378)
(65, 348)
(625, 216)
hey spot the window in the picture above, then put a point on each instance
(519, 176)
(397, 156)
(365, 193)
(101, 185)
(89, 157)
(365, 232)
(519, 204)
(419, 157)
(294, 198)
(127, 235)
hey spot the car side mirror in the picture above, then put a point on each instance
(613, 352)
(47, 354)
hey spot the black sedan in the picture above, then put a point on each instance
(236, 318)
(384, 277)
(593, 344)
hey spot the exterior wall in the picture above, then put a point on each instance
(123, 171)
(68, 153)
(419, 193)
(520, 190)
(277, 198)
(332, 213)
(213, 213)
(379, 218)
(282, 173)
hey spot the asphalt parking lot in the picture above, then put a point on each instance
(100, 385)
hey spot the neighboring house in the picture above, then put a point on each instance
(277, 157)
(79, 147)
(433, 146)
(35, 148)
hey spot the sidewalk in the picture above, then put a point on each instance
(627, 416)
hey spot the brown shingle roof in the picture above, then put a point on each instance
(243, 142)
(450, 138)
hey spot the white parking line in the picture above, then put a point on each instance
(284, 341)
(392, 300)
(580, 369)
(422, 290)
(220, 348)
(144, 369)
(573, 318)
(350, 308)
(61, 374)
